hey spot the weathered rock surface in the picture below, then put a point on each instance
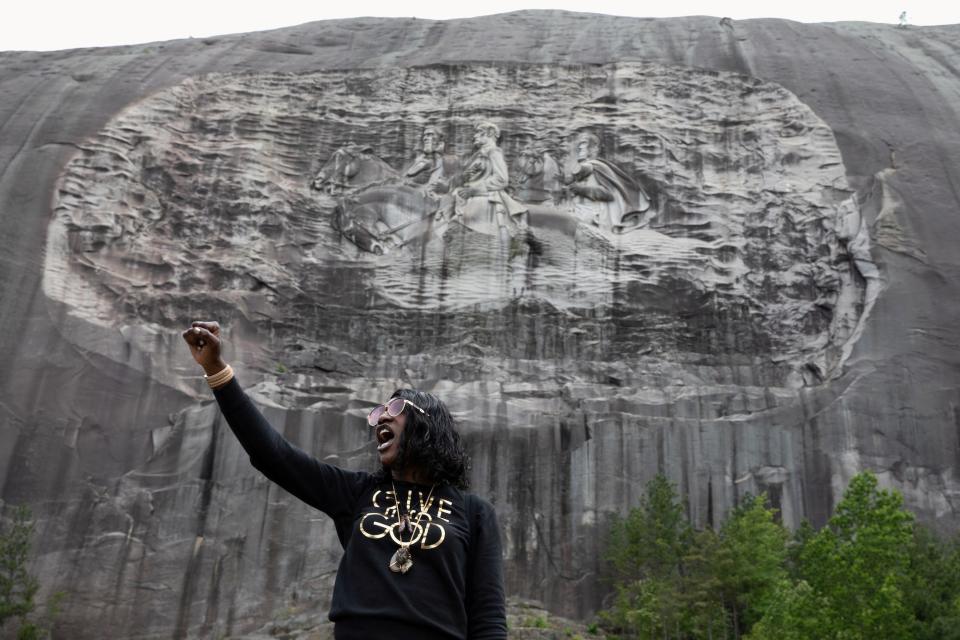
(785, 318)
(203, 192)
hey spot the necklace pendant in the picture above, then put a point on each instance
(402, 560)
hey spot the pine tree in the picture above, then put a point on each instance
(17, 586)
(646, 552)
(749, 563)
(933, 589)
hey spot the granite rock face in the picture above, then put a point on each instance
(203, 192)
(776, 315)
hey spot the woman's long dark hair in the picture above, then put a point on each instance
(430, 442)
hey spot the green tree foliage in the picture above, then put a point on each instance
(852, 574)
(749, 561)
(702, 589)
(653, 539)
(869, 574)
(801, 536)
(673, 583)
(17, 587)
(933, 587)
(796, 613)
(646, 553)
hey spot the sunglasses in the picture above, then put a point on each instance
(393, 407)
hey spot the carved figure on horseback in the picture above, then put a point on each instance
(380, 209)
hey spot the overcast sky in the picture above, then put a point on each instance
(60, 24)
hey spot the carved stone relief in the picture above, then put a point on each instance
(647, 209)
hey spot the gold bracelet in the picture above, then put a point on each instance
(220, 378)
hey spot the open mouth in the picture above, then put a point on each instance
(384, 437)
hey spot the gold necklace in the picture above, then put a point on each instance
(402, 559)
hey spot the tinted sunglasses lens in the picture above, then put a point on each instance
(395, 407)
(374, 416)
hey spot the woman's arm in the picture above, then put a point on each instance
(323, 486)
(328, 488)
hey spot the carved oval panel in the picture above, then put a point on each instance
(624, 211)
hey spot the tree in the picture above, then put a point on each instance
(653, 539)
(646, 552)
(869, 573)
(749, 561)
(731, 576)
(17, 587)
(796, 612)
(798, 541)
(933, 586)
(852, 573)
(702, 590)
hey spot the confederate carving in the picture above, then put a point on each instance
(382, 209)
(537, 174)
(482, 202)
(382, 218)
(379, 208)
(601, 193)
(432, 169)
(742, 217)
(352, 167)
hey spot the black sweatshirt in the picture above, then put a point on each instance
(454, 588)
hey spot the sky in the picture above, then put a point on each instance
(44, 25)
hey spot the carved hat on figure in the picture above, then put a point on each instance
(489, 129)
(482, 203)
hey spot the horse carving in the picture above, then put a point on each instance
(352, 168)
(383, 218)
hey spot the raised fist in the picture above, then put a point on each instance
(204, 341)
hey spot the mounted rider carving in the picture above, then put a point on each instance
(380, 209)
(432, 170)
(482, 203)
(600, 192)
(536, 173)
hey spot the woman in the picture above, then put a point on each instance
(421, 557)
